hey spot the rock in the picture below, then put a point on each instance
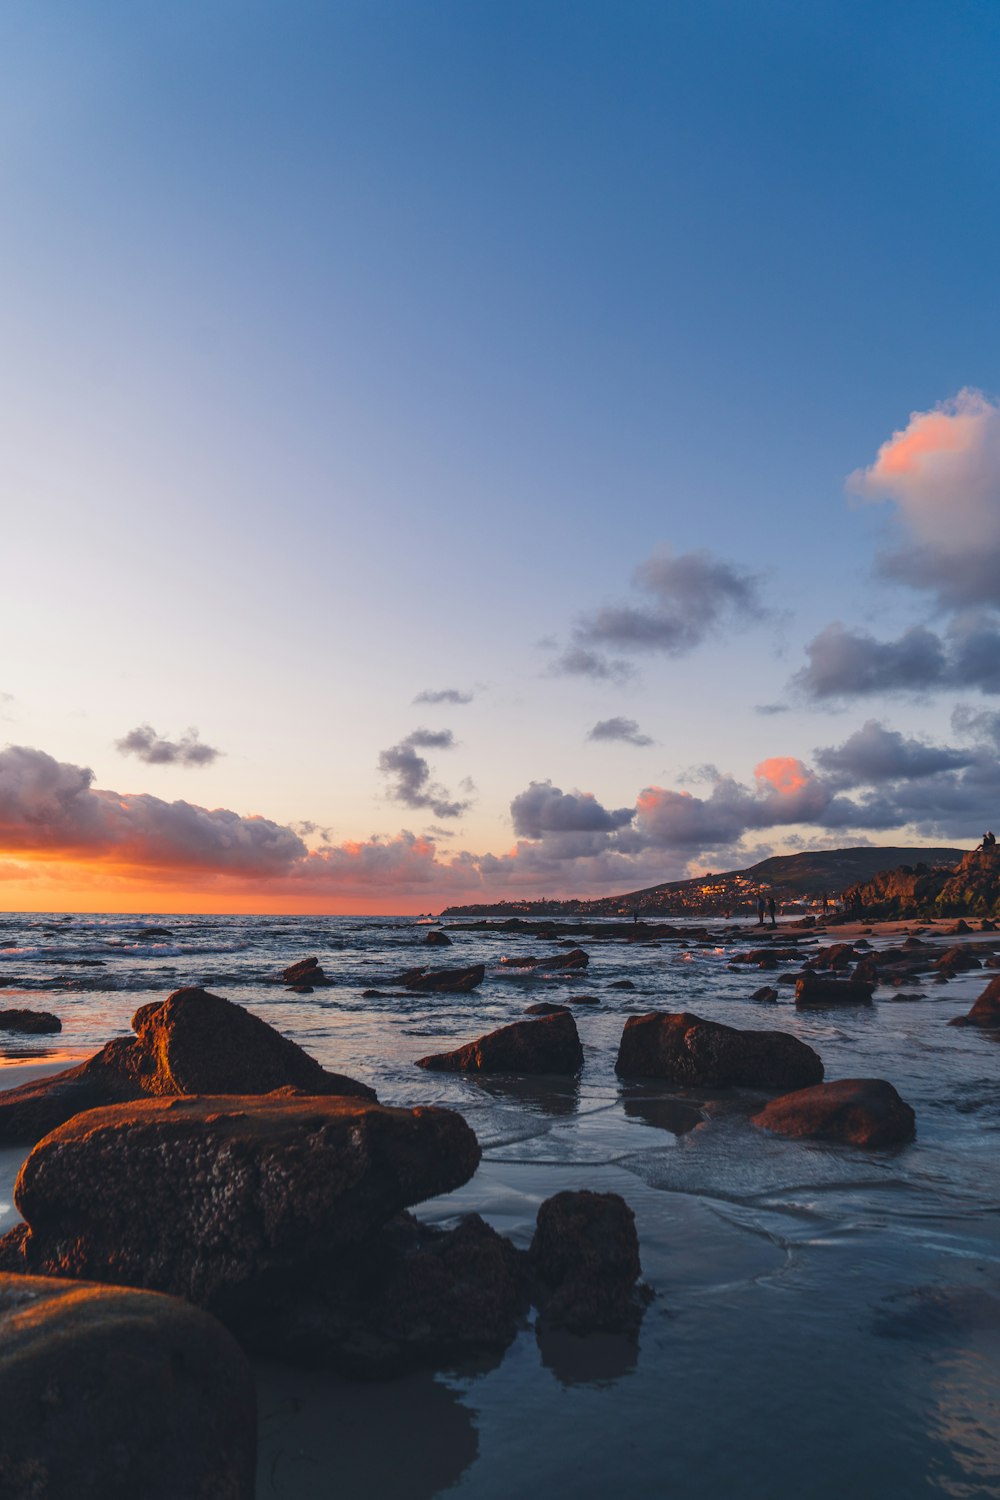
(548, 1045)
(583, 1000)
(621, 984)
(986, 1011)
(585, 1260)
(956, 959)
(301, 989)
(549, 962)
(987, 926)
(220, 1198)
(29, 1022)
(687, 1050)
(113, 1394)
(836, 956)
(866, 971)
(306, 971)
(445, 981)
(191, 1043)
(545, 1008)
(411, 1295)
(960, 927)
(854, 1111)
(765, 993)
(145, 934)
(810, 991)
(437, 939)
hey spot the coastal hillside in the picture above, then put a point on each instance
(789, 877)
(969, 888)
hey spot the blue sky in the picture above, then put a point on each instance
(352, 350)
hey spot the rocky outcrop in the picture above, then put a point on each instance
(112, 1394)
(29, 1022)
(550, 962)
(191, 1043)
(986, 1011)
(550, 1044)
(219, 1199)
(441, 981)
(814, 993)
(436, 939)
(853, 1111)
(971, 889)
(686, 1050)
(585, 1261)
(307, 971)
(544, 1008)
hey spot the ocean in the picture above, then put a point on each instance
(826, 1319)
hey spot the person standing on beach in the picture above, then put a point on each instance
(760, 910)
(771, 910)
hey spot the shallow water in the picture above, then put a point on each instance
(826, 1319)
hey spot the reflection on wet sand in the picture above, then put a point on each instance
(598, 1359)
(674, 1115)
(320, 1435)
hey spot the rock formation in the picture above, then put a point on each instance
(550, 1044)
(686, 1050)
(854, 1111)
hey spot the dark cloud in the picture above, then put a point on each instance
(156, 750)
(625, 731)
(981, 725)
(443, 695)
(50, 807)
(874, 755)
(691, 596)
(582, 661)
(769, 709)
(410, 773)
(847, 663)
(544, 809)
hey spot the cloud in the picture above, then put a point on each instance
(768, 710)
(410, 774)
(874, 755)
(443, 695)
(543, 809)
(625, 731)
(847, 663)
(691, 596)
(156, 750)
(50, 807)
(942, 470)
(581, 661)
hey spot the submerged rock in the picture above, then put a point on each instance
(986, 1011)
(437, 939)
(854, 1111)
(585, 1260)
(218, 1199)
(109, 1393)
(685, 1049)
(191, 1043)
(445, 981)
(545, 1008)
(550, 1044)
(29, 1022)
(819, 993)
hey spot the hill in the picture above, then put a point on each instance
(790, 877)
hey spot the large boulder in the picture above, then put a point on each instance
(686, 1050)
(854, 1111)
(217, 1198)
(411, 1295)
(814, 993)
(986, 1011)
(550, 1044)
(112, 1394)
(585, 1260)
(29, 1022)
(437, 939)
(191, 1043)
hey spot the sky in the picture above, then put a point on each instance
(468, 451)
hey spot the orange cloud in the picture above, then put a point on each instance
(784, 773)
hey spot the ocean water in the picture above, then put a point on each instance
(826, 1320)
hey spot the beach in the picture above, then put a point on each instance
(826, 1318)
